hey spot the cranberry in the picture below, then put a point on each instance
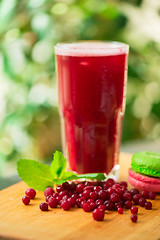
(78, 202)
(136, 198)
(114, 197)
(90, 200)
(109, 205)
(99, 202)
(47, 198)
(63, 193)
(43, 206)
(66, 186)
(106, 186)
(72, 201)
(55, 195)
(118, 205)
(52, 202)
(134, 218)
(119, 191)
(142, 201)
(98, 214)
(97, 188)
(31, 193)
(102, 207)
(111, 191)
(144, 193)
(72, 187)
(93, 206)
(90, 188)
(134, 191)
(65, 197)
(102, 194)
(80, 188)
(152, 195)
(124, 184)
(58, 199)
(116, 185)
(48, 191)
(93, 195)
(127, 196)
(82, 202)
(75, 195)
(134, 210)
(87, 183)
(59, 188)
(128, 204)
(110, 181)
(65, 205)
(26, 200)
(86, 207)
(148, 205)
(86, 194)
(120, 210)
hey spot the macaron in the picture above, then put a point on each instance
(145, 171)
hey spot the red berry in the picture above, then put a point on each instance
(98, 214)
(148, 205)
(114, 197)
(110, 181)
(26, 200)
(128, 204)
(110, 191)
(66, 205)
(66, 186)
(93, 195)
(72, 201)
(93, 206)
(134, 218)
(102, 207)
(31, 193)
(48, 191)
(118, 205)
(119, 191)
(106, 186)
(109, 205)
(86, 194)
(90, 188)
(59, 188)
(52, 202)
(134, 191)
(144, 193)
(142, 201)
(134, 210)
(152, 195)
(47, 198)
(86, 207)
(116, 185)
(97, 188)
(90, 200)
(43, 206)
(80, 188)
(124, 184)
(136, 198)
(55, 195)
(99, 202)
(102, 194)
(127, 196)
(120, 210)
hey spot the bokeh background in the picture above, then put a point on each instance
(29, 29)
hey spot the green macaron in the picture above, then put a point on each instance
(147, 163)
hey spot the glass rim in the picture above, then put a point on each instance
(91, 48)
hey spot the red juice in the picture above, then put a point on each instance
(91, 89)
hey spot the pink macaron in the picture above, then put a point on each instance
(144, 182)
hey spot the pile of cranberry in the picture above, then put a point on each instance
(94, 196)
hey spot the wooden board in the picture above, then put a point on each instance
(18, 221)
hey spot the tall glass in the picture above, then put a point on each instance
(92, 79)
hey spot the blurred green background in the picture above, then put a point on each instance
(29, 29)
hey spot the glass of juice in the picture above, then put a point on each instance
(92, 78)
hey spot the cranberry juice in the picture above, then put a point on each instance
(91, 89)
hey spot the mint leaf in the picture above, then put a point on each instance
(92, 176)
(69, 176)
(36, 175)
(58, 165)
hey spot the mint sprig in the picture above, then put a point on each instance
(40, 176)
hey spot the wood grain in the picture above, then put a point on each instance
(18, 221)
